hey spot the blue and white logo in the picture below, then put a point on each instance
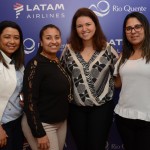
(29, 45)
(101, 9)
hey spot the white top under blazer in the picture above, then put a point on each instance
(8, 83)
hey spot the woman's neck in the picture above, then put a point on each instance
(136, 55)
(50, 57)
(88, 43)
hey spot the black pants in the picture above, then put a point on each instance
(135, 134)
(90, 125)
(15, 136)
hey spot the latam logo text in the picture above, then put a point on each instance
(40, 10)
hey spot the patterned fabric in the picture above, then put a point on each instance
(93, 80)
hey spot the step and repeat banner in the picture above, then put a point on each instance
(32, 15)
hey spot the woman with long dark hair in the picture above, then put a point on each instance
(89, 60)
(133, 76)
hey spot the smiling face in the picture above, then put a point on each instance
(136, 36)
(9, 41)
(85, 28)
(51, 41)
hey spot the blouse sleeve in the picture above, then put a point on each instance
(116, 68)
(114, 56)
(31, 85)
(64, 57)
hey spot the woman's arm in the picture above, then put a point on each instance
(31, 86)
(117, 81)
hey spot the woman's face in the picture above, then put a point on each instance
(9, 41)
(134, 32)
(51, 41)
(85, 28)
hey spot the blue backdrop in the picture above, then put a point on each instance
(31, 15)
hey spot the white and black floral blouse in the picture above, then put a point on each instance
(92, 81)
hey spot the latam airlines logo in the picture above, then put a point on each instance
(40, 11)
(18, 8)
(101, 9)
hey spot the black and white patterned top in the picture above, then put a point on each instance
(92, 81)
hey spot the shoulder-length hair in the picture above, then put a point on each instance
(42, 32)
(99, 39)
(127, 48)
(18, 55)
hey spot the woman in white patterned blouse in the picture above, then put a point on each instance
(89, 60)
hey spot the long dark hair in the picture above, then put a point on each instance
(99, 39)
(127, 48)
(18, 55)
(41, 34)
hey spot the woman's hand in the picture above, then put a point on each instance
(21, 102)
(3, 137)
(43, 143)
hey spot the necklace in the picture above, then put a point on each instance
(56, 60)
(70, 97)
(50, 58)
